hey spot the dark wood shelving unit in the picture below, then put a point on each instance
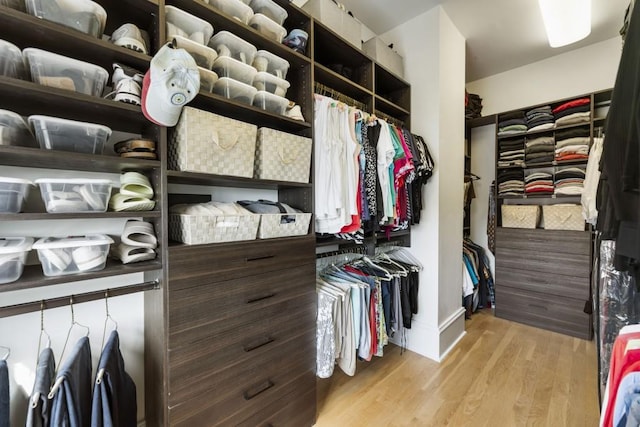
(32, 277)
(330, 78)
(194, 178)
(176, 247)
(391, 109)
(29, 216)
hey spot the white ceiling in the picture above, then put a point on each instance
(500, 34)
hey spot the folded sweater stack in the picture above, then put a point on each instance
(540, 118)
(572, 144)
(539, 183)
(511, 152)
(573, 112)
(539, 150)
(512, 123)
(511, 182)
(569, 181)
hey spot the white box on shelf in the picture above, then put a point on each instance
(268, 27)
(15, 131)
(83, 15)
(327, 12)
(270, 9)
(58, 134)
(283, 225)
(384, 55)
(269, 102)
(226, 66)
(13, 192)
(235, 90)
(13, 254)
(266, 61)
(235, 8)
(71, 255)
(270, 83)
(228, 44)
(75, 194)
(209, 143)
(204, 229)
(563, 216)
(11, 62)
(520, 216)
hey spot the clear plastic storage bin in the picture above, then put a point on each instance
(268, 27)
(83, 15)
(270, 83)
(13, 254)
(13, 192)
(11, 63)
(228, 44)
(234, 8)
(225, 66)
(273, 64)
(50, 69)
(208, 79)
(71, 255)
(181, 23)
(75, 194)
(15, 131)
(68, 135)
(270, 102)
(270, 9)
(203, 55)
(235, 90)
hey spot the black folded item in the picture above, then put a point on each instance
(511, 122)
(512, 115)
(572, 133)
(572, 110)
(544, 110)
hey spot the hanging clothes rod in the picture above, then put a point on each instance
(321, 89)
(354, 250)
(29, 307)
(390, 119)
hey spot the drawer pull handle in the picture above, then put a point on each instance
(264, 342)
(260, 298)
(542, 307)
(262, 388)
(258, 258)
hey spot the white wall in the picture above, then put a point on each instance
(434, 62)
(581, 71)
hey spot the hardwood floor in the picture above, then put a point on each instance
(501, 373)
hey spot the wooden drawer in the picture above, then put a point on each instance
(263, 380)
(197, 307)
(230, 344)
(547, 241)
(555, 313)
(548, 284)
(236, 259)
(300, 411)
(546, 263)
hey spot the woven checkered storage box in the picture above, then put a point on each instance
(271, 225)
(282, 156)
(520, 216)
(563, 217)
(209, 143)
(203, 229)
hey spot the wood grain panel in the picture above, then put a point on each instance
(549, 284)
(204, 305)
(559, 314)
(239, 389)
(299, 411)
(546, 263)
(548, 241)
(230, 344)
(237, 259)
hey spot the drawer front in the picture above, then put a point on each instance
(543, 262)
(548, 284)
(237, 259)
(300, 411)
(559, 314)
(247, 386)
(230, 345)
(191, 309)
(544, 241)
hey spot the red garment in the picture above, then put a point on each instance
(572, 156)
(575, 103)
(621, 362)
(540, 190)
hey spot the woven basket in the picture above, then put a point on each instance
(520, 216)
(563, 217)
(208, 143)
(202, 229)
(272, 226)
(282, 156)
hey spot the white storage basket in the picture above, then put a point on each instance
(282, 156)
(520, 216)
(203, 229)
(272, 226)
(208, 143)
(563, 217)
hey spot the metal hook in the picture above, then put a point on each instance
(107, 318)
(43, 332)
(73, 322)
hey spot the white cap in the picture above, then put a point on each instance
(172, 81)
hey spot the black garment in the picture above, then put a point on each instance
(509, 116)
(578, 132)
(370, 170)
(520, 121)
(5, 419)
(572, 110)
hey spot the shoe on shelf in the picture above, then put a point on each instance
(127, 84)
(129, 36)
(295, 113)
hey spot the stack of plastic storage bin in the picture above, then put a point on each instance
(234, 67)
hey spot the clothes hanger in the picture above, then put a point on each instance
(107, 318)
(7, 352)
(73, 323)
(43, 332)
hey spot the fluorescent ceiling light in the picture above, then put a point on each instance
(566, 21)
